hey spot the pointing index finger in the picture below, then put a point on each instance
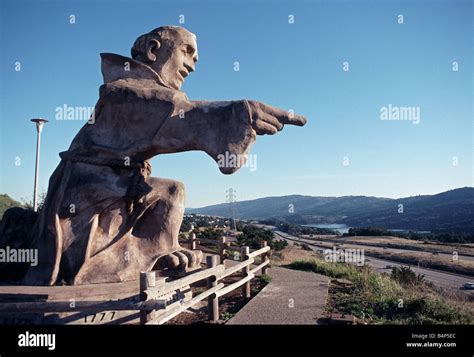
(285, 117)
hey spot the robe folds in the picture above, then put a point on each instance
(100, 221)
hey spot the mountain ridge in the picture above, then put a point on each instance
(448, 211)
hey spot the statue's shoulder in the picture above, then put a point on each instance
(143, 89)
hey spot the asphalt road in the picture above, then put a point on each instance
(439, 278)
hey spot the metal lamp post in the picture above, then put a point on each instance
(39, 127)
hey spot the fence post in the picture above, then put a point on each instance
(192, 243)
(264, 257)
(222, 248)
(244, 252)
(147, 280)
(212, 301)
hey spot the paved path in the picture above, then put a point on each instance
(292, 297)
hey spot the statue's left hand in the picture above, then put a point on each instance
(269, 120)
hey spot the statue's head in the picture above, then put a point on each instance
(170, 50)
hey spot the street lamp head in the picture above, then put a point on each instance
(39, 123)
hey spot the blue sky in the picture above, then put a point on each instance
(293, 66)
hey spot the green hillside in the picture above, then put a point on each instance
(6, 202)
(450, 211)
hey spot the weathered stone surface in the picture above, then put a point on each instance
(105, 218)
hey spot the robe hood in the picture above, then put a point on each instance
(114, 68)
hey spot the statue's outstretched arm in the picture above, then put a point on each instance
(221, 128)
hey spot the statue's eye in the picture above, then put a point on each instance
(189, 50)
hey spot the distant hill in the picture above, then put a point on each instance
(450, 211)
(6, 202)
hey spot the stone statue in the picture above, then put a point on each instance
(105, 218)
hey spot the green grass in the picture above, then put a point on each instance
(265, 278)
(199, 291)
(333, 270)
(377, 298)
(226, 316)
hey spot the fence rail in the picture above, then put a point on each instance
(86, 306)
(156, 300)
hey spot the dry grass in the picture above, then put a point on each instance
(403, 243)
(292, 253)
(424, 259)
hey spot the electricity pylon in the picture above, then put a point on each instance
(231, 200)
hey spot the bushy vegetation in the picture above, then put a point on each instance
(210, 233)
(200, 221)
(253, 237)
(265, 279)
(185, 225)
(194, 220)
(405, 276)
(7, 202)
(400, 298)
(367, 231)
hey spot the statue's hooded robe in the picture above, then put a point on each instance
(93, 226)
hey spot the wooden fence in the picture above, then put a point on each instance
(157, 301)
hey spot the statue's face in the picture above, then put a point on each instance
(176, 59)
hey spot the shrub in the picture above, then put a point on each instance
(254, 236)
(404, 275)
(210, 233)
(265, 279)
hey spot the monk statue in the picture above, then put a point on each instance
(104, 218)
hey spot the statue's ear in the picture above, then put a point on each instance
(151, 47)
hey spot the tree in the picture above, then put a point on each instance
(185, 226)
(210, 233)
(254, 236)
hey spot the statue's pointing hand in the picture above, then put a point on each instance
(269, 120)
